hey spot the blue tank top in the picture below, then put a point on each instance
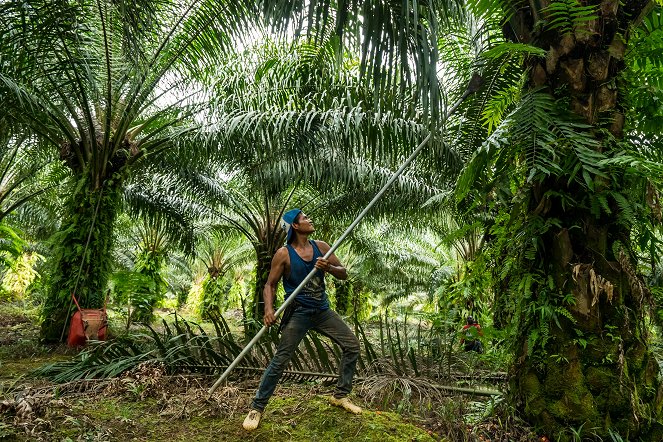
(313, 294)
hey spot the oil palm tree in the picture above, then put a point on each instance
(291, 127)
(572, 215)
(103, 83)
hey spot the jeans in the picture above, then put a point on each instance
(327, 322)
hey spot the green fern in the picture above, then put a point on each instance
(567, 16)
(498, 105)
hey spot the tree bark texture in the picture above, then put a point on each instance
(596, 372)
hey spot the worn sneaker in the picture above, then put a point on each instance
(345, 404)
(252, 420)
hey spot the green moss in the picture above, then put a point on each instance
(554, 382)
(315, 420)
(635, 356)
(600, 378)
(563, 377)
(648, 376)
(576, 405)
(110, 409)
(286, 419)
(613, 400)
(548, 421)
(530, 385)
(658, 408)
(535, 407)
(655, 432)
(597, 350)
(570, 352)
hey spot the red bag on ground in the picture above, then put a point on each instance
(87, 324)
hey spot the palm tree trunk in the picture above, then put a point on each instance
(263, 265)
(81, 260)
(148, 295)
(595, 371)
(344, 294)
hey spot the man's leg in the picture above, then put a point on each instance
(291, 336)
(330, 324)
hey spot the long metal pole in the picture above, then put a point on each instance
(338, 242)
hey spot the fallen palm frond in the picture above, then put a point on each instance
(412, 395)
(184, 347)
(404, 393)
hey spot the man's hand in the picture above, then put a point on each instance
(269, 317)
(322, 264)
(331, 266)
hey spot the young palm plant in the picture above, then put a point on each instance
(222, 251)
(152, 247)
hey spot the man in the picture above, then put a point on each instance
(471, 332)
(310, 311)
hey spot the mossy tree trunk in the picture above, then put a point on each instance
(146, 297)
(344, 296)
(264, 254)
(81, 260)
(594, 370)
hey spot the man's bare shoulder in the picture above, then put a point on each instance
(281, 254)
(323, 246)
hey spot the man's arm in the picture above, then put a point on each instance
(331, 265)
(478, 327)
(269, 292)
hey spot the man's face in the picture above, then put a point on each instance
(304, 223)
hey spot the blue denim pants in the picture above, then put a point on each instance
(327, 322)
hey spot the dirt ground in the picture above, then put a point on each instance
(146, 405)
